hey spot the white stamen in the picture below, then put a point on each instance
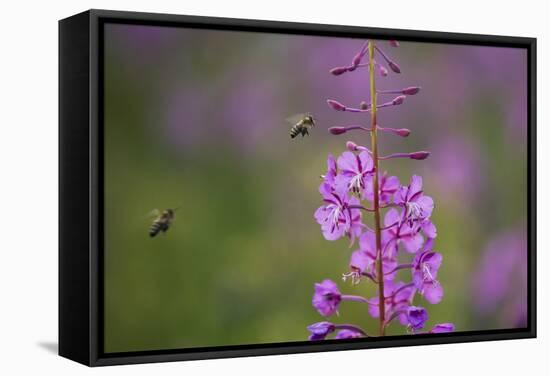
(428, 275)
(356, 183)
(355, 277)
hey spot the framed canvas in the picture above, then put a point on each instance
(239, 187)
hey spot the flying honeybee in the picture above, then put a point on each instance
(162, 222)
(302, 123)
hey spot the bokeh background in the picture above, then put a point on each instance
(196, 119)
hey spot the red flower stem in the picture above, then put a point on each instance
(376, 204)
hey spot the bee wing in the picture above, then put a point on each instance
(153, 213)
(294, 119)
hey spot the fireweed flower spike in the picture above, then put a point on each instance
(355, 185)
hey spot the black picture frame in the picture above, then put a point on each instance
(81, 187)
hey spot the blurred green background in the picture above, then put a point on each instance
(196, 119)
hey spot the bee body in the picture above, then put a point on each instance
(302, 126)
(162, 222)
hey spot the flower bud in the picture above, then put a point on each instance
(403, 132)
(446, 327)
(398, 100)
(394, 67)
(336, 105)
(419, 155)
(411, 90)
(364, 105)
(356, 60)
(351, 146)
(339, 70)
(394, 43)
(337, 130)
(383, 71)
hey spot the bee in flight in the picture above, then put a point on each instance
(162, 222)
(302, 123)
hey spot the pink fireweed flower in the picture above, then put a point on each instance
(330, 175)
(424, 274)
(363, 261)
(401, 233)
(355, 170)
(418, 207)
(336, 217)
(387, 186)
(327, 298)
(416, 316)
(348, 334)
(397, 298)
(320, 330)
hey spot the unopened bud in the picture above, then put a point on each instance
(383, 71)
(419, 155)
(364, 105)
(337, 130)
(394, 43)
(398, 100)
(412, 90)
(394, 67)
(336, 105)
(356, 60)
(403, 132)
(351, 146)
(339, 70)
